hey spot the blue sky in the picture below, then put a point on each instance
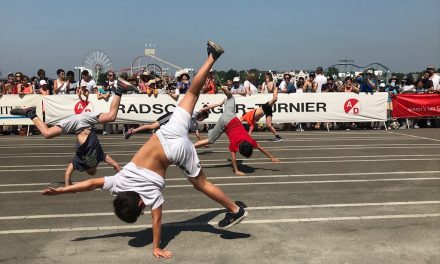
(277, 35)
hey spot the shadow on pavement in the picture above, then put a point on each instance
(171, 230)
(242, 167)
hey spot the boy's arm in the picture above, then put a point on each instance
(201, 143)
(267, 153)
(110, 161)
(156, 215)
(68, 175)
(84, 186)
(251, 128)
(234, 165)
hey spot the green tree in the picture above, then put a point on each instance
(332, 72)
(230, 74)
(399, 75)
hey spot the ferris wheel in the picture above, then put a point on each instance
(97, 61)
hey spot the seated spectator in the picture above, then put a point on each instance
(237, 88)
(330, 86)
(132, 79)
(25, 87)
(60, 84)
(72, 85)
(143, 82)
(183, 83)
(249, 86)
(42, 76)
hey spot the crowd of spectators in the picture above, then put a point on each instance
(153, 85)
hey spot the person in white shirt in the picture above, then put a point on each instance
(248, 86)
(435, 78)
(237, 88)
(320, 79)
(286, 80)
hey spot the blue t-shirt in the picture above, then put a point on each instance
(88, 154)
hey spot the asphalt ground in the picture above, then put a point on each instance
(336, 197)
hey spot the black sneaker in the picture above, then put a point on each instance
(128, 133)
(123, 86)
(215, 49)
(278, 138)
(28, 112)
(232, 219)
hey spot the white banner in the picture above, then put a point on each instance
(10, 101)
(308, 107)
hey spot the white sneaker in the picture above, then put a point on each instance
(416, 126)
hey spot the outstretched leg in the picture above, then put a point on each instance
(190, 99)
(122, 87)
(47, 132)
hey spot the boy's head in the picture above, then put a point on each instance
(245, 149)
(202, 115)
(128, 206)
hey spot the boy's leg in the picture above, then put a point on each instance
(201, 184)
(47, 132)
(189, 100)
(122, 87)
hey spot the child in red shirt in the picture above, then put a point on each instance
(239, 139)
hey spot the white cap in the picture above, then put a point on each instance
(236, 79)
(382, 85)
(43, 82)
(83, 83)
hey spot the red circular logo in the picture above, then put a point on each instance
(352, 106)
(83, 106)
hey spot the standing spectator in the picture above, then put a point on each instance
(184, 83)
(44, 88)
(367, 82)
(320, 79)
(286, 80)
(348, 86)
(237, 88)
(72, 85)
(428, 85)
(42, 76)
(143, 82)
(88, 80)
(408, 86)
(11, 85)
(25, 87)
(434, 78)
(310, 84)
(229, 84)
(249, 86)
(382, 86)
(209, 86)
(104, 93)
(419, 87)
(60, 84)
(268, 84)
(300, 85)
(330, 86)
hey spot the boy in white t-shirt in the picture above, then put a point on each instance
(140, 182)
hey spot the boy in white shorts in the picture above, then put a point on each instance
(140, 183)
(88, 150)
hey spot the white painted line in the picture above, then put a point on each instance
(271, 183)
(309, 206)
(256, 159)
(246, 177)
(413, 136)
(214, 224)
(207, 165)
(224, 150)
